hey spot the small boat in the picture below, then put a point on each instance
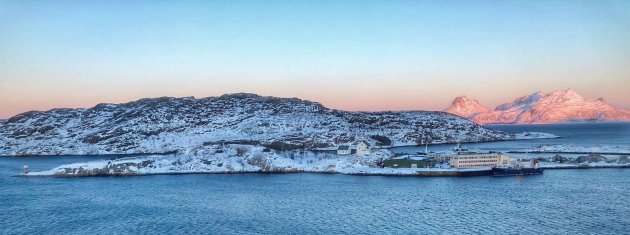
(460, 149)
(518, 170)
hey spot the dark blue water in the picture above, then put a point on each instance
(577, 133)
(561, 201)
(591, 201)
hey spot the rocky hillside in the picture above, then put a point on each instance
(540, 108)
(161, 125)
(232, 159)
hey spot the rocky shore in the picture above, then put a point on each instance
(235, 159)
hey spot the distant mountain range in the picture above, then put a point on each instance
(540, 108)
(161, 125)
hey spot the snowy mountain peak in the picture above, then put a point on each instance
(565, 95)
(465, 107)
(559, 106)
(521, 101)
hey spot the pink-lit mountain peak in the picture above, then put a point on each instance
(465, 107)
(554, 107)
(563, 96)
(521, 102)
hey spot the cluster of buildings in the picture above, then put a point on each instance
(460, 158)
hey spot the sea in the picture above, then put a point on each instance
(582, 134)
(578, 201)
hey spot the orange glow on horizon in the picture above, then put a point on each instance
(342, 100)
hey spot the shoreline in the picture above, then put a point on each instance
(564, 167)
(311, 150)
(567, 152)
(389, 172)
(314, 151)
(92, 155)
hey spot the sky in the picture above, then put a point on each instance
(352, 55)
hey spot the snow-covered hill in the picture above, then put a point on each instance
(555, 107)
(231, 159)
(160, 125)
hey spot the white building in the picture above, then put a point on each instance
(343, 150)
(472, 160)
(363, 148)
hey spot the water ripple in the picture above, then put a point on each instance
(566, 201)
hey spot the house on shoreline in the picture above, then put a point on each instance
(361, 148)
(344, 150)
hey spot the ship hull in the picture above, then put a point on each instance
(515, 171)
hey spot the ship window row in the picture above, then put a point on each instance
(478, 161)
(475, 165)
(477, 157)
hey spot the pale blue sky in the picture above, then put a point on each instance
(355, 55)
